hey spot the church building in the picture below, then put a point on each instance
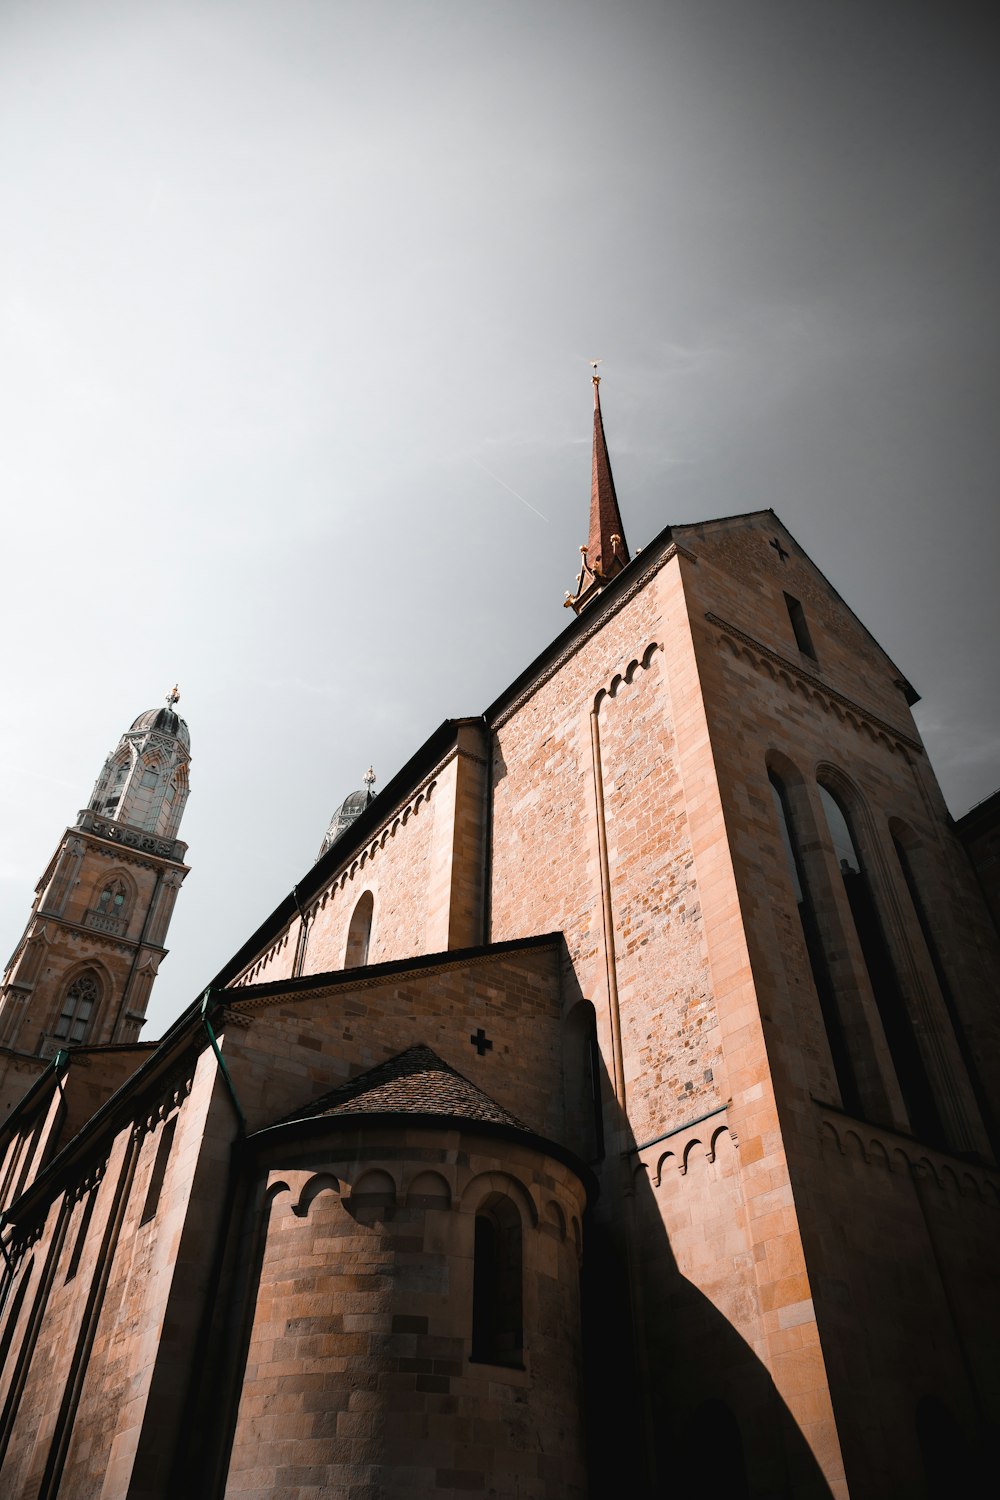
(610, 1109)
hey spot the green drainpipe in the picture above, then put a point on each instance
(205, 1002)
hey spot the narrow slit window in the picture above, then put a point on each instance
(159, 1171)
(797, 616)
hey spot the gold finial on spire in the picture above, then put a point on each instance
(173, 696)
(593, 363)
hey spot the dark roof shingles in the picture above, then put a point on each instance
(416, 1082)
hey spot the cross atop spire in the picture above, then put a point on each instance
(606, 552)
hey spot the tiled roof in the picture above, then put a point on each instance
(415, 1082)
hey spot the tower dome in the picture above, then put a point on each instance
(163, 721)
(351, 808)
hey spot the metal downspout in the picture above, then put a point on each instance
(205, 1002)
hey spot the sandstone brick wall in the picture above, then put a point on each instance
(358, 1378)
(546, 867)
(844, 717)
(65, 937)
(120, 1299)
(299, 1045)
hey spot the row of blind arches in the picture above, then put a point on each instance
(862, 1089)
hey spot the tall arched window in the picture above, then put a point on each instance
(78, 1007)
(359, 932)
(904, 1048)
(908, 852)
(497, 1335)
(836, 1038)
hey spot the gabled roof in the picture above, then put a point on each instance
(414, 1082)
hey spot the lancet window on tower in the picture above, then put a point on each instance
(78, 1006)
(113, 899)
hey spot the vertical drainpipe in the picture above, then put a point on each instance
(607, 914)
(623, 1160)
(487, 907)
(205, 1004)
(300, 947)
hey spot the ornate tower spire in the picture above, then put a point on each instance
(84, 968)
(606, 552)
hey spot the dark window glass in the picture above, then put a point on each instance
(797, 615)
(77, 1009)
(360, 932)
(839, 1051)
(496, 1284)
(925, 1121)
(947, 995)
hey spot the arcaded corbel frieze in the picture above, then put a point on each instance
(758, 654)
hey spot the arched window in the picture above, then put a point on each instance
(914, 1084)
(906, 848)
(839, 1051)
(359, 933)
(113, 899)
(78, 1007)
(497, 1335)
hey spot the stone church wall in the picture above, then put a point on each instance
(118, 1270)
(285, 1050)
(359, 1376)
(546, 864)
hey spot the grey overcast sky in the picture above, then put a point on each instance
(296, 300)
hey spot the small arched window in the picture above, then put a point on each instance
(497, 1333)
(359, 932)
(911, 1074)
(78, 1007)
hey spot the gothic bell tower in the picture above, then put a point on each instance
(82, 972)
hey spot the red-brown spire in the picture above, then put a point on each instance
(606, 552)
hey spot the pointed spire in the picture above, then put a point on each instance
(606, 552)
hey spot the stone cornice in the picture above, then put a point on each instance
(126, 838)
(877, 1143)
(821, 691)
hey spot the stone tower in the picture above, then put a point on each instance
(83, 971)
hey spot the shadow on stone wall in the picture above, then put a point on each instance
(676, 1400)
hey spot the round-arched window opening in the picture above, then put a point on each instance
(497, 1331)
(359, 932)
